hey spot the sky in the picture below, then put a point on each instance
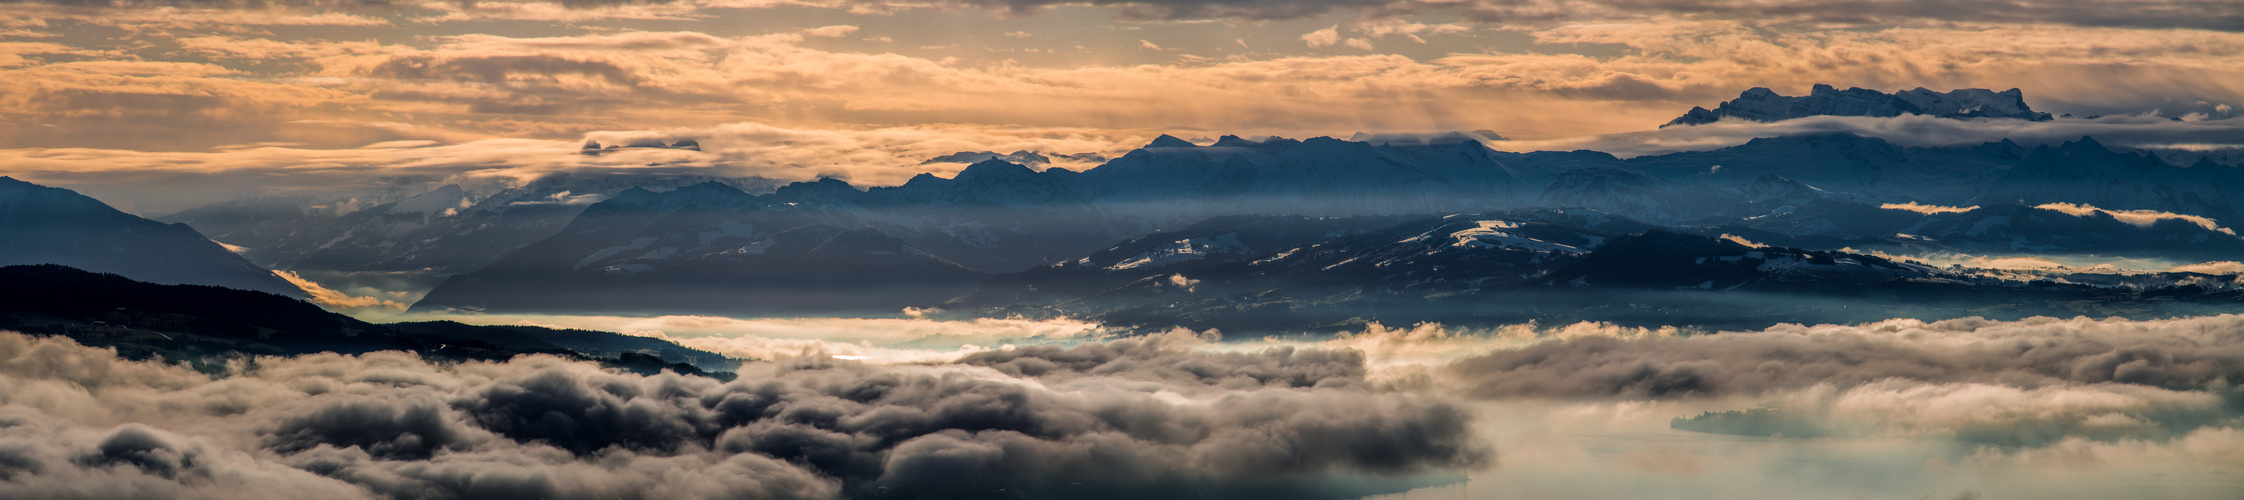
(161, 106)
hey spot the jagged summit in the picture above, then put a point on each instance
(1169, 141)
(994, 168)
(1764, 105)
(1437, 139)
(1024, 157)
(593, 148)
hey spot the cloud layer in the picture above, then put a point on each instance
(2204, 354)
(77, 421)
(1164, 415)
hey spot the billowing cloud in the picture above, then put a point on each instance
(80, 421)
(2024, 390)
(2181, 354)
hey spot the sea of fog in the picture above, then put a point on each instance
(857, 407)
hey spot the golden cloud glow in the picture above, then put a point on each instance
(88, 89)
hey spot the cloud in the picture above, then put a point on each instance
(1386, 26)
(80, 421)
(1171, 362)
(2180, 354)
(2206, 445)
(2220, 267)
(2138, 218)
(2148, 14)
(2194, 14)
(1323, 37)
(2018, 391)
(872, 340)
(335, 300)
(461, 87)
(1926, 209)
(2010, 415)
(240, 107)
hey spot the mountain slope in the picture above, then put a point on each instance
(45, 225)
(709, 248)
(205, 324)
(1555, 267)
(444, 230)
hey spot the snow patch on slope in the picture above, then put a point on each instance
(1184, 250)
(1492, 234)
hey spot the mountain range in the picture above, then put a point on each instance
(1273, 273)
(1763, 105)
(933, 238)
(1431, 216)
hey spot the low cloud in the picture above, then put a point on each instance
(2138, 218)
(338, 301)
(79, 421)
(913, 339)
(2219, 267)
(1926, 209)
(2201, 354)
(1164, 414)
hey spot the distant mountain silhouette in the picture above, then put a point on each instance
(203, 323)
(46, 225)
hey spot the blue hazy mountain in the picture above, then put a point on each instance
(448, 229)
(1763, 105)
(47, 225)
(709, 248)
(1150, 218)
(829, 246)
(1555, 266)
